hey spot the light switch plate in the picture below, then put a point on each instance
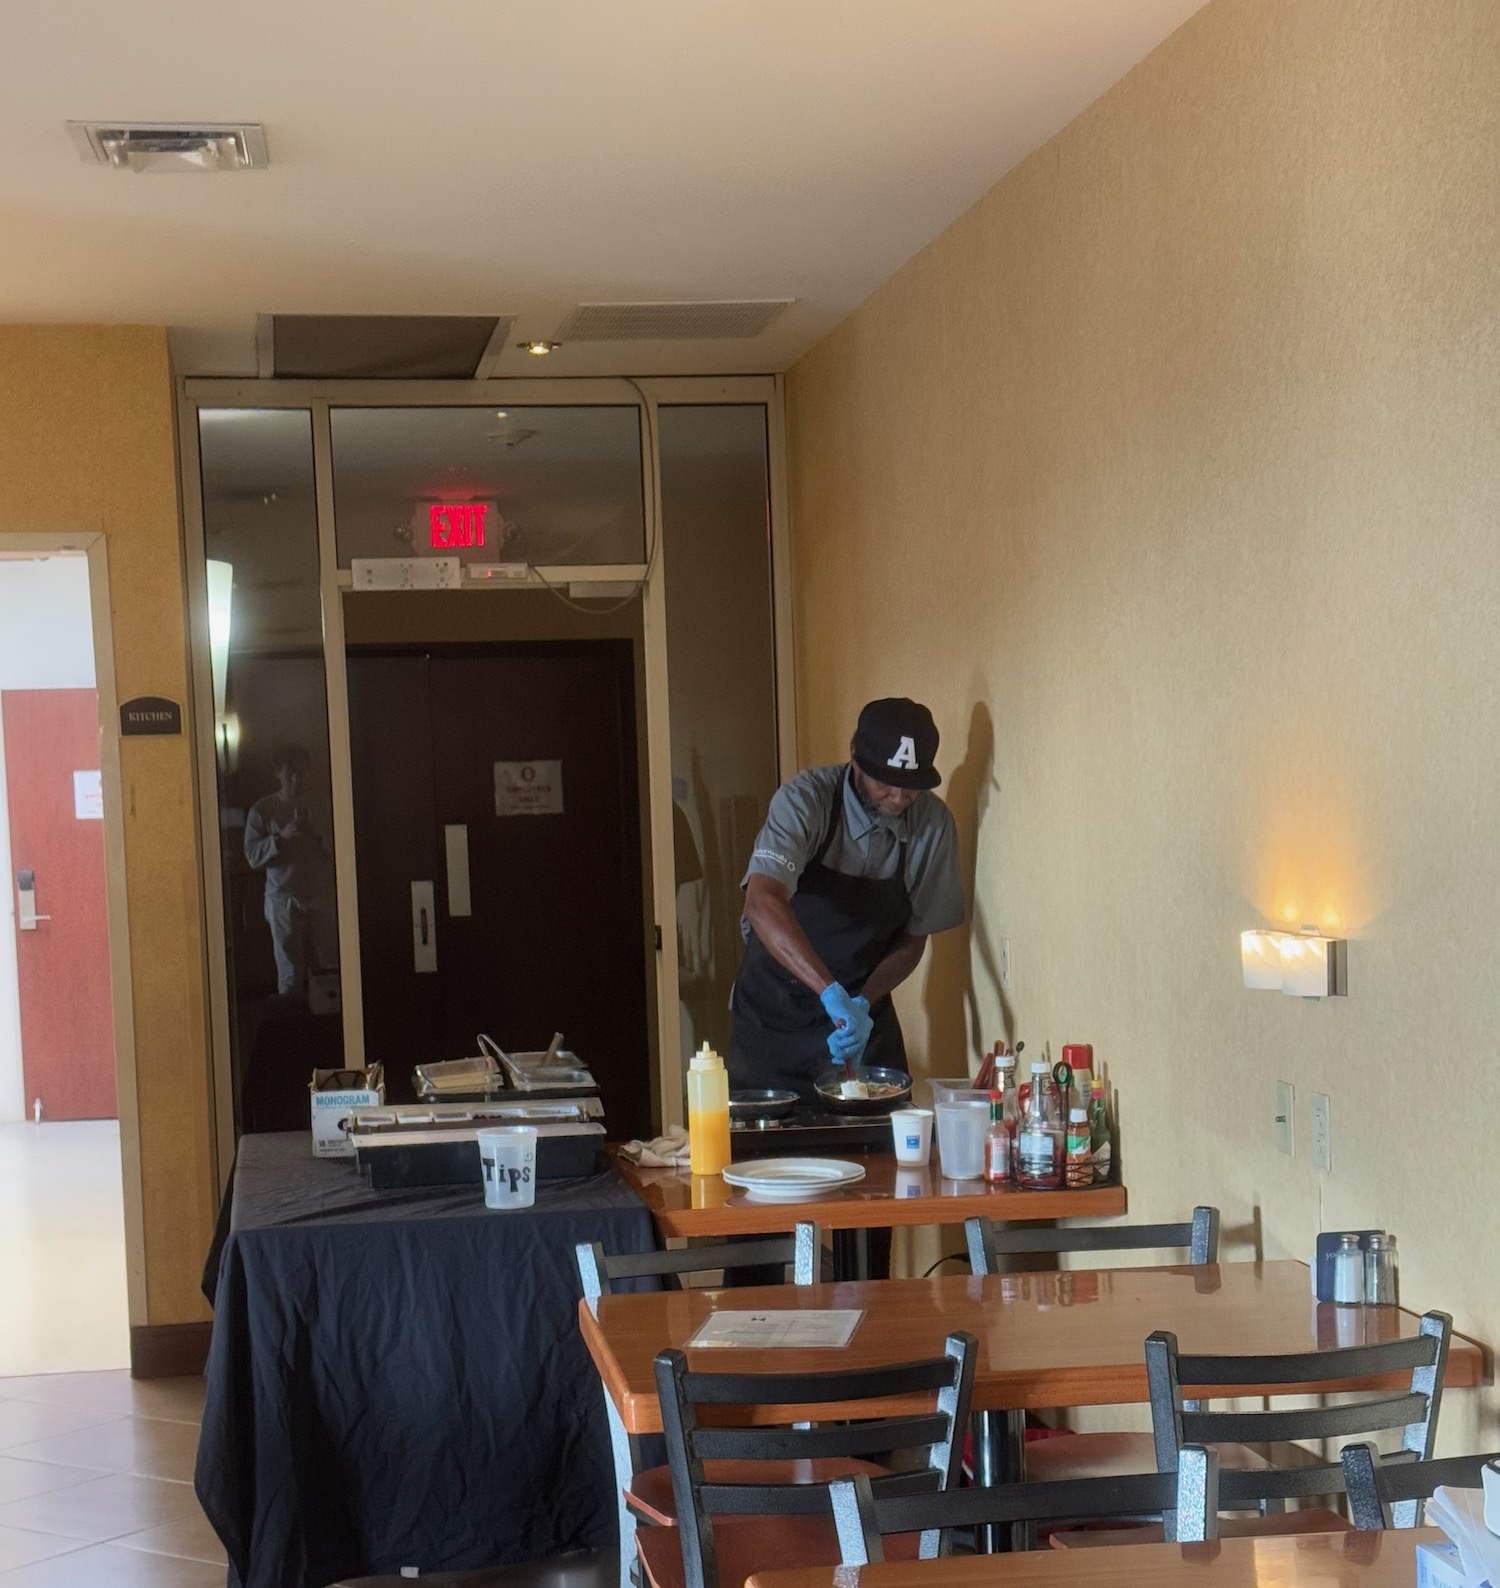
(1322, 1138)
(1007, 970)
(1286, 1098)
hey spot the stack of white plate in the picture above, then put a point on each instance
(793, 1179)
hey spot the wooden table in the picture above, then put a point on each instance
(684, 1204)
(1065, 1339)
(1309, 1560)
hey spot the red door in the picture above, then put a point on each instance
(57, 844)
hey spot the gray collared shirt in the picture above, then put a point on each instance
(866, 845)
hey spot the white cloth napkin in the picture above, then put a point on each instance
(664, 1152)
(1460, 1514)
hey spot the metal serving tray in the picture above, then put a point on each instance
(395, 1155)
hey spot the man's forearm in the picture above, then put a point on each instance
(768, 908)
(900, 961)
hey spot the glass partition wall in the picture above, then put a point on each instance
(663, 495)
(270, 752)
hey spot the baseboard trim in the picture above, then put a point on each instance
(168, 1350)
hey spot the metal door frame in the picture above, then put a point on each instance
(648, 394)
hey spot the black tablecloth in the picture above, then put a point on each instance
(397, 1379)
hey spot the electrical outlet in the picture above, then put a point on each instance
(1286, 1098)
(1322, 1139)
(1007, 968)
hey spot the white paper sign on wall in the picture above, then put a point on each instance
(528, 788)
(88, 797)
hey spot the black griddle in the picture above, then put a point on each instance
(810, 1128)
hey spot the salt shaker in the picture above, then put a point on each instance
(1382, 1286)
(1348, 1273)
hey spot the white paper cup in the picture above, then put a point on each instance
(911, 1131)
(507, 1162)
(962, 1126)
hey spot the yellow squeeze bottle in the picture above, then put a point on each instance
(708, 1112)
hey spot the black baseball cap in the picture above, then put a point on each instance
(896, 742)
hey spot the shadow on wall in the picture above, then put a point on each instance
(964, 958)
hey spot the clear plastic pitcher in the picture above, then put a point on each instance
(962, 1125)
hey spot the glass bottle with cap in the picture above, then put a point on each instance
(1039, 1146)
(1348, 1273)
(1382, 1282)
(1079, 1168)
(997, 1143)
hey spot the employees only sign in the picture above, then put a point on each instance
(528, 788)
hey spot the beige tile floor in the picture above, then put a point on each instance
(96, 1492)
(62, 1248)
(96, 1484)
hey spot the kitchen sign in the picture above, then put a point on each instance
(528, 788)
(148, 716)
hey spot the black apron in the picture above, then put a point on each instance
(781, 1029)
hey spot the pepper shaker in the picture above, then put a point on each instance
(1382, 1283)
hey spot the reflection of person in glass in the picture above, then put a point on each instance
(282, 840)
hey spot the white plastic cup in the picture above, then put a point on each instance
(962, 1125)
(507, 1163)
(911, 1132)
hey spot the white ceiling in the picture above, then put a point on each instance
(519, 156)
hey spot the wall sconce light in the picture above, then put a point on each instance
(1301, 964)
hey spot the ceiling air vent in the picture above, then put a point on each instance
(381, 346)
(670, 322)
(172, 145)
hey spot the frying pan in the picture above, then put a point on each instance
(761, 1104)
(830, 1088)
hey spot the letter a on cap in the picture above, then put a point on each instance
(906, 755)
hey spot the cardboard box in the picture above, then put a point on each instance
(329, 1107)
(1438, 1566)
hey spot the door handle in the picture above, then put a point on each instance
(456, 847)
(423, 933)
(26, 896)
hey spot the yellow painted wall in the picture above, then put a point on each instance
(1170, 476)
(86, 444)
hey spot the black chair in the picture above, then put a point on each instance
(864, 1519)
(988, 1241)
(724, 1536)
(1388, 1492)
(1096, 1455)
(646, 1493)
(1177, 1421)
(801, 1252)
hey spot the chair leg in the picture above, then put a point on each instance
(622, 1449)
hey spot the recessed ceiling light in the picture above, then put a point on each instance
(539, 349)
(171, 146)
(500, 413)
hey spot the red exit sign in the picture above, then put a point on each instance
(456, 524)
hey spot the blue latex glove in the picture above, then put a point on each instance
(852, 1024)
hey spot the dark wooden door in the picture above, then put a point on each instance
(395, 844)
(555, 937)
(57, 847)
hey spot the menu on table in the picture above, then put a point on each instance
(810, 1329)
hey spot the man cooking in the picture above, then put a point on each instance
(855, 868)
